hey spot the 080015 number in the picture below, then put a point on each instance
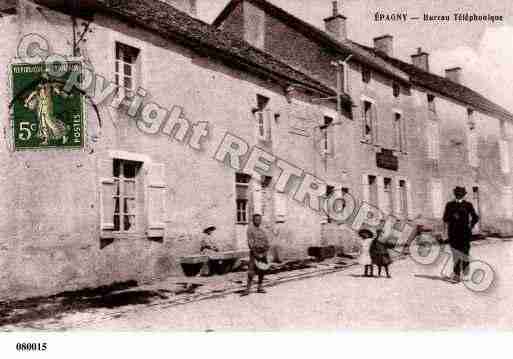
(31, 347)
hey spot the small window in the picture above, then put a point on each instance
(329, 190)
(261, 114)
(403, 198)
(470, 119)
(387, 182)
(398, 132)
(431, 103)
(126, 68)
(126, 189)
(366, 75)
(241, 197)
(396, 89)
(368, 122)
(325, 133)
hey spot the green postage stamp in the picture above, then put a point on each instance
(43, 114)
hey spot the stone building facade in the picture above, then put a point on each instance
(62, 230)
(438, 132)
(210, 98)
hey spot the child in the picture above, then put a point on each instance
(379, 253)
(365, 258)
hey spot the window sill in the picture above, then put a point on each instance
(120, 235)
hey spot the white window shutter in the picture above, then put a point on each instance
(409, 200)
(436, 195)
(472, 149)
(156, 200)
(362, 105)
(257, 199)
(106, 183)
(396, 202)
(430, 140)
(375, 124)
(504, 156)
(365, 188)
(331, 139)
(437, 140)
(280, 203)
(268, 115)
(381, 193)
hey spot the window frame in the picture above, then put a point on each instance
(120, 74)
(368, 119)
(396, 90)
(399, 131)
(325, 134)
(121, 196)
(431, 104)
(245, 184)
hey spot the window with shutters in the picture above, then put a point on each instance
(126, 188)
(241, 197)
(368, 122)
(126, 69)
(132, 201)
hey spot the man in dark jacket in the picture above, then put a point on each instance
(460, 217)
(258, 243)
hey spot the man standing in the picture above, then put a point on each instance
(460, 217)
(258, 244)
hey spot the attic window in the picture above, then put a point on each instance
(366, 75)
(431, 103)
(396, 89)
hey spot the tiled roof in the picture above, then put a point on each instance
(172, 23)
(345, 47)
(446, 87)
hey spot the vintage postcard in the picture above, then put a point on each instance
(255, 165)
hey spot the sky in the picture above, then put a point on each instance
(483, 50)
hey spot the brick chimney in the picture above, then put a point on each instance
(188, 6)
(384, 44)
(420, 59)
(336, 24)
(453, 74)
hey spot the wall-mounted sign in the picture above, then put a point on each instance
(386, 159)
(43, 114)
